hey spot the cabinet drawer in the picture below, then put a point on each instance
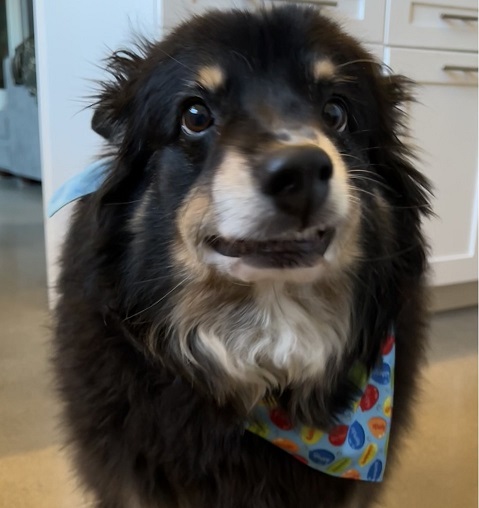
(176, 11)
(432, 24)
(362, 18)
(437, 67)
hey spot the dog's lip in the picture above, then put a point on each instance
(304, 245)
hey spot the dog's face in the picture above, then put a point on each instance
(254, 150)
(261, 128)
(272, 200)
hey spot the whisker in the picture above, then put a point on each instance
(390, 256)
(158, 301)
(378, 182)
(365, 286)
(155, 279)
(362, 60)
(175, 60)
(365, 192)
(123, 203)
(242, 57)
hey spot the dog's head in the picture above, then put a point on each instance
(252, 151)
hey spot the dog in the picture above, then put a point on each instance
(256, 237)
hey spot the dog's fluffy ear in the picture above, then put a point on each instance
(390, 150)
(101, 123)
(114, 100)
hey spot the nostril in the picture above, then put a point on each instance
(326, 171)
(285, 182)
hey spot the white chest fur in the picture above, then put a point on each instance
(284, 335)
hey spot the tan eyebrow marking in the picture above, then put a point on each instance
(323, 69)
(211, 77)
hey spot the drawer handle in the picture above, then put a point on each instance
(458, 17)
(459, 68)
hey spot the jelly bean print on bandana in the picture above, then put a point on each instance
(356, 448)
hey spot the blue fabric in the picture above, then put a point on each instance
(356, 448)
(82, 184)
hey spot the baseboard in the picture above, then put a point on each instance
(456, 296)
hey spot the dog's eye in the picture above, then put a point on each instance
(335, 115)
(196, 119)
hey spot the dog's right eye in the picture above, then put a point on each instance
(335, 114)
(196, 119)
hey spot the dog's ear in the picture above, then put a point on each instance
(101, 123)
(114, 100)
(390, 149)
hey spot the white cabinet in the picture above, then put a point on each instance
(444, 128)
(433, 24)
(435, 43)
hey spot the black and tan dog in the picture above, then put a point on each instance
(257, 233)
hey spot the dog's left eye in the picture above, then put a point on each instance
(335, 114)
(196, 119)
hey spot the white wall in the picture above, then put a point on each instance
(71, 40)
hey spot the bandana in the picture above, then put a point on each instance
(82, 184)
(356, 447)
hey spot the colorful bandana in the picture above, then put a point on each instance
(356, 448)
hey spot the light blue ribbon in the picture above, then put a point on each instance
(82, 184)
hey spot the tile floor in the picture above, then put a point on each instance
(439, 464)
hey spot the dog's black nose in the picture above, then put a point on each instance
(297, 179)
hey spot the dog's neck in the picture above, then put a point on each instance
(256, 340)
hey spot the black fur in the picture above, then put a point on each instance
(145, 426)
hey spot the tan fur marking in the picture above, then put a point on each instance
(136, 221)
(195, 214)
(237, 200)
(384, 211)
(323, 69)
(211, 77)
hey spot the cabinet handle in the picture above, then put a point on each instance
(458, 17)
(459, 68)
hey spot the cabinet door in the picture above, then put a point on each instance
(444, 128)
(442, 24)
(362, 18)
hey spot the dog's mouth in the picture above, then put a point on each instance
(302, 249)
